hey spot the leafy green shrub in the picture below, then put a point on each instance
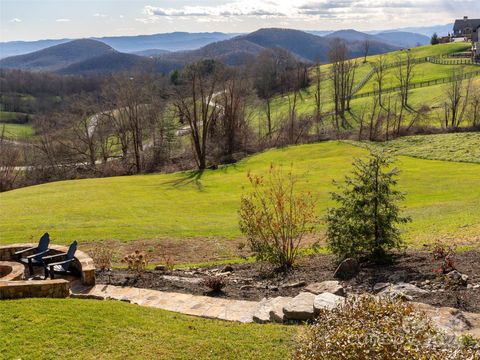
(377, 329)
(364, 222)
(275, 217)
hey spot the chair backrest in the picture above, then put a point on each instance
(42, 246)
(44, 242)
(70, 255)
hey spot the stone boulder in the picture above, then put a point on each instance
(333, 287)
(454, 277)
(300, 307)
(276, 310)
(327, 301)
(452, 320)
(271, 310)
(403, 291)
(347, 269)
(380, 286)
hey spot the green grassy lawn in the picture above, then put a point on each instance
(442, 197)
(463, 147)
(422, 72)
(7, 116)
(17, 131)
(91, 329)
(431, 96)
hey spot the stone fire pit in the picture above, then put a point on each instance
(10, 271)
(14, 285)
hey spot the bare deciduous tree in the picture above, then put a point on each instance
(9, 156)
(456, 100)
(318, 98)
(379, 67)
(366, 49)
(343, 76)
(197, 104)
(405, 75)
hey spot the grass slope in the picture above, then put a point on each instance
(463, 147)
(88, 329)
(431, 96)
(442, 197)
(17, 131)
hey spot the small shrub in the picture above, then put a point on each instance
(446, 255)
(103, 255)
(365, 221)
(136, 261)
(215, 283)
(376, 329)
(168, 261)
(275, 217)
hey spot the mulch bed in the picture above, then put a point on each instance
(255, 281)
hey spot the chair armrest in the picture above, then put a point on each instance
(50, 257)
(38, 254)
(20, 252)
(60, 263)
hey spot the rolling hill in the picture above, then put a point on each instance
(305, 46)
(89, 56)
(176, 41)
(85, 57)
(397, 39)
(403, 38)
(59, 56)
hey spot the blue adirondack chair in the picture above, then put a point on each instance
(39, 252)
(64, 265)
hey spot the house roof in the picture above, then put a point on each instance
(461, 24)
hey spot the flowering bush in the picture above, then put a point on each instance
(376, 329)
(445, 254)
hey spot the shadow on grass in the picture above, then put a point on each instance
(189, 178)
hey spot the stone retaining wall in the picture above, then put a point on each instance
(57, 288)
(83, 263)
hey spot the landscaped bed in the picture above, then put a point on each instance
(254, 281)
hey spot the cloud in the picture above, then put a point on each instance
(229, 9)
(15, 20)
(100, 15)
(63, 20)
(364, 13)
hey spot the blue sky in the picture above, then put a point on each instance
(42, 19)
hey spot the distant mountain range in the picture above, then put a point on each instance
(89, 56)
(86, 57)
(396, 38)
(171, 42)
(305, 46)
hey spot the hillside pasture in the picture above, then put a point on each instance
(431, 96)
(17, 131)
(462, 147)
(442, 198)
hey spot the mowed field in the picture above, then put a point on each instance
(443, 198)
(91, 329)
(432, 96)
